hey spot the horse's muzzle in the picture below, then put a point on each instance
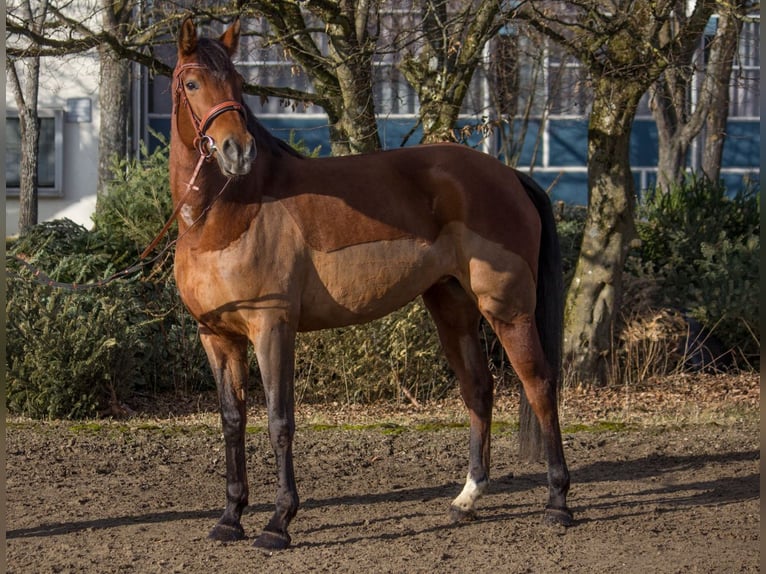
(236, 158)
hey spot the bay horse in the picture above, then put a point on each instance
(272, 243)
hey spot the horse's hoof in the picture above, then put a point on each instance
(227, 532)
(272, 540)
(457, 514)
(558, 516)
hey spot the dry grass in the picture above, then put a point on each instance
(671, 400)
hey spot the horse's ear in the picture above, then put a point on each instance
(230, 38)
(187, 39)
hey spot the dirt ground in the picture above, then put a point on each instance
(676, 490)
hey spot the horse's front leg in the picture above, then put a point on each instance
(228, 359)
(275, 351)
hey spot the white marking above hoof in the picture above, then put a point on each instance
(472, 491)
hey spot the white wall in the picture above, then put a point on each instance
(62, 78)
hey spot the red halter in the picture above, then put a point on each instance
(203, 142)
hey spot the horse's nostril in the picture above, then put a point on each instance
(231, 149)
(250, 150)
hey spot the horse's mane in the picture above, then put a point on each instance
(263, 137)
(212, 55)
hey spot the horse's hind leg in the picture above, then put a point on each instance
(228, 359)
(522, 344)
(457, 321)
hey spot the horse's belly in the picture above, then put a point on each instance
(367, 281)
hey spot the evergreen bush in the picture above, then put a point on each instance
(69, 356)
(701, 248)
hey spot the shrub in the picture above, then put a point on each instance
(69, 355)
(138, 203)
(78, 353)
(701, 247)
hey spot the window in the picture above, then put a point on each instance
(746, 75)
(50, 161)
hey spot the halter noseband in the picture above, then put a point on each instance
(203, 142)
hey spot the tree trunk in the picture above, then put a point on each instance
(594, 296)
(345, 77)
(114, 91)
(438, 118)
(453, 36)
(25, 93)
(669, 103)
(671, 159)
(114, 99)
(30, 143)
(356, 130)
(677, 123)
(720, 65)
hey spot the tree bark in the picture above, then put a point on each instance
(669, 103)
(25, 93)
(114, 90)
(593, 300)
(719, 67)
(352, 48)
(671, 159)
(677, 122)
(29, 124)
(114, 99)
(344, 79)
(356, 131)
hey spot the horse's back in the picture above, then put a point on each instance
(410, 193)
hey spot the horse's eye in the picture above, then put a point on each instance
(191, 85)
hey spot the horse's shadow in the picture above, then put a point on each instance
(663, 496)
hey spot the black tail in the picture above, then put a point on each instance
(549, 314)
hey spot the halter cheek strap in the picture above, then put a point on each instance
(203, 142)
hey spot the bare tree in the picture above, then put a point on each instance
(56, 30)
(518, 76)
(25, 88)
(114, 89)
(341, 75)
(678, 123)
(720, 64)
(625, 46)
(446, 50)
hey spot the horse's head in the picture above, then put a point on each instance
(208, 99)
